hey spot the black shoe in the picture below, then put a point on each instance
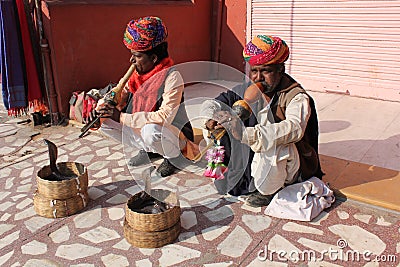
(166, 168)
(153, 155)
(140, 159)
(257, 199)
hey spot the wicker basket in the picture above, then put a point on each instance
(154, 222)
(157, 239)
(58, 208)
(64, 189)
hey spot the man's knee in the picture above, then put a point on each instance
(151, 134)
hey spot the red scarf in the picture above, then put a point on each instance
(145, 87)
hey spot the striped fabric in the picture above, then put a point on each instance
(266, 50)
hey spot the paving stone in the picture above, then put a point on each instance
(133, 190)
(147, 251)
(200, 192)
(9, 183)
(103, 152)
(115, 156)
(99, 235)
(114, 260)
(9, 239)
(188, 237)
(24, 203)
(89, 218)
(34, 248)
(219, 264)
(342, 214)
(85, 159)
(24, 188)
(116, 213)
(27, 172)
(5, 205)
(100, 174)
(359, 238)
(4, 258)
(252, 209)
(219, 214)
(117, 199)
(316, 245)
(76, 251)
(174, 254)
(363, 217)
(213, 232)
(144, 263)
(323, 263)
(28, 212)
(236, 243)
(60, 235)
(95, 193)
(5, 228)
(5, 172)
(72, 146)
(16, 197)
(35, 223)
(26, 181)
(188, 219)
(5, 217)
(122, 245)
(110, 187)
(98, 165)
(279, 243)
(41, 263)
(108, 180)
(16, 264)
(210, 203)
(81, 151)
(382, 222)
(256, 223)
(294, 227)
(117, 170)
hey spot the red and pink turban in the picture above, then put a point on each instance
(145, 33)
(266, 50)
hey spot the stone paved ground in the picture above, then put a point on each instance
(216, 230)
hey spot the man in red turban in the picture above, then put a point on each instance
(151, 109)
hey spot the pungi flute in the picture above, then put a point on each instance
(113, 97)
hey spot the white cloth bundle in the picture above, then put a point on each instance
(302, 201)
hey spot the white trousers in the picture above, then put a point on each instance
(275, 168)
(151, 138)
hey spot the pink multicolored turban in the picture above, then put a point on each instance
(267, 50)
(145, 33)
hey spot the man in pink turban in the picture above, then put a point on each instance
(278, 145)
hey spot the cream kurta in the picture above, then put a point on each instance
(276, 160)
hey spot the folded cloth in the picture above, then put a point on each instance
(12, 65)
(302, 201)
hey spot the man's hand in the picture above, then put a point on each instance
(110, 111)
(230, 122)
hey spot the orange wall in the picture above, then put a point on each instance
(86, 40)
